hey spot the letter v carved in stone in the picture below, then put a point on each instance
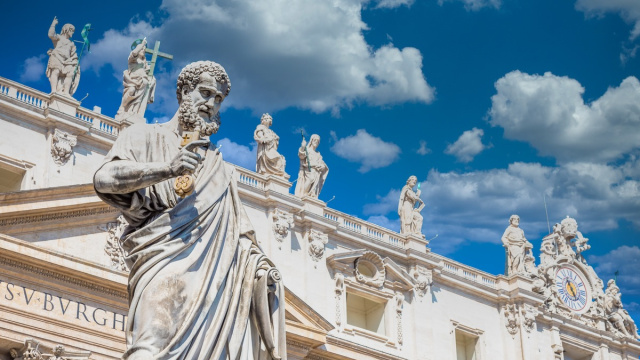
(64, 308)
(27, 299)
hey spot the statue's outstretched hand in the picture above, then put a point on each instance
(187, 160)
(55, 21)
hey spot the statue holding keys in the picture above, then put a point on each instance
(200, 286)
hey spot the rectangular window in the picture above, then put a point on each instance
(365, 313)
(465, 346)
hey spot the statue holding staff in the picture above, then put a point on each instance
(139, 85)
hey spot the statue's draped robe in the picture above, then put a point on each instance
(313, 173)
(406, 204)
(516, 247)
(268, 160)
(192, 287)
(139, 87)
(63, 57)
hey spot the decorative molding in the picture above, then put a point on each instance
(40, 272)
(317, 241)
(57, 216)
(399, 297)
(339, 277)
(371, 262)
(113, 247)
(282, 222)
(62, 144)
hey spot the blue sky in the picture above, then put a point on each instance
(492, 104)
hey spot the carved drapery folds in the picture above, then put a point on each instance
(113, 248)
(317, 241)
(33, 350)
(282, 222)
(520, 260)
(62, 146)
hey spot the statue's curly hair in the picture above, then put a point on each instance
(190, 76)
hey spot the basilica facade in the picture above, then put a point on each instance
(353, 289)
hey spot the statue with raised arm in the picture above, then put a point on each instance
(268, 161)
(200, 287)
(63, 60)
(410, 217)
(518, 248)
(313, 171)
(618, 317)
(139, 86)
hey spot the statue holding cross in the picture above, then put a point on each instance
(139, 82)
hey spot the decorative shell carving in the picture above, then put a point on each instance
(369, 269)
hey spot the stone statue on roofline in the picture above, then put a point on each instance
(410, 217)
(313, 170)
(63, 60)
(139, 86)
(268, 160)
(520, 260)
(200, 286)
(618, 319)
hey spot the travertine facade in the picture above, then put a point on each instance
(354, 290)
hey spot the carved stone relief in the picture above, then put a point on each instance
(399, 297)
(369, 269)
(282, 222)
(62, 146)
(113, 248)
(423, 278)
(33, 350)
(512, 321)
(529, 314)
(317, 241)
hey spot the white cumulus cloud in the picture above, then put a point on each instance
(629, 10)
(238, 154)
(370, 151)
(308, 54)
(468, 145)
(33, 69)
(549, 112)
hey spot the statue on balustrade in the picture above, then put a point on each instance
(268, 161)
(410, 217)
(63, 60)
(519, 257)
(200, 287)
(139, 86)
(617, 317)
(313, 171)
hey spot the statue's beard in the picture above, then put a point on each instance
(190, 119)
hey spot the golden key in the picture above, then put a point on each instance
(185, 184)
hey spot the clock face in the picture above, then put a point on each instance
(573, 290)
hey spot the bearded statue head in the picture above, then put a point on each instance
(201, 88)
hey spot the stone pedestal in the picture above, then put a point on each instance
(277, 184)
(314, 205)
(63, 104)
(417, 242)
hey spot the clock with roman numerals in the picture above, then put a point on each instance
(573, 291)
